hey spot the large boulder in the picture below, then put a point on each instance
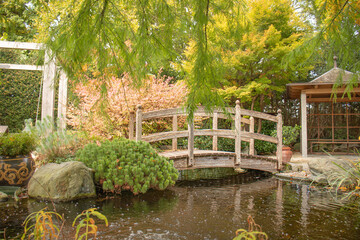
(62, 182)
(3, 197)
(330, 170)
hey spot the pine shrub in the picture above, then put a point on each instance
(124, 164)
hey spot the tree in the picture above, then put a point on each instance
(253, 63)
(136, 36)
(337, 28)
(16, 20)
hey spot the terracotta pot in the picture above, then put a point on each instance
(286, 154)
(16, 171)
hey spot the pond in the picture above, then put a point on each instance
(208, 210)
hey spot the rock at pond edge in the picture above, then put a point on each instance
(62, 182)
(3, 197)
(328, 170)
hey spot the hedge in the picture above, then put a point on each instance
(19, 93)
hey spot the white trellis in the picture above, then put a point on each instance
(50, 71)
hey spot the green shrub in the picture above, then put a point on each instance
(263, 147)
(54, 144)
(124, 164)
(14, 144)
(290, 135)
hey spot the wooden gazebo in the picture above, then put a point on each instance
(330, 120)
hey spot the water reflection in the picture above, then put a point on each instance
(214, 210)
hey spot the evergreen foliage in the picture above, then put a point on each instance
(137, 37)
(16, 20)
(14, 144)
(336, 33)
(123, 164)
(53, 144)
(19, 93)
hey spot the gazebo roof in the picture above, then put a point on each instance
(320, 89)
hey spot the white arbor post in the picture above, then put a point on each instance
(303, 125)
(48, 92)
(49, 74)
(62, 100)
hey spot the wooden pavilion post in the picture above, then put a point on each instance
(215, 127)
(303, 124)
(191, 142)
(138, 123)
(238, 133)
(279, 139)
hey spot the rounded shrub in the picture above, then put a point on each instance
(15, 144)
(124, 164)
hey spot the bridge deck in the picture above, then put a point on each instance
(211, 159)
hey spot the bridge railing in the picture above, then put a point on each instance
(239, 134)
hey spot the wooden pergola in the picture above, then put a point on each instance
(50, 71)
(336, 118)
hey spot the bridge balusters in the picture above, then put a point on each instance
(191, 143)
(131, 125)
(251, 130)
(174, 128)
(279, 138)
(138, 123)
(215, 127)
(238, 133)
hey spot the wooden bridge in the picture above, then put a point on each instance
(192, 158)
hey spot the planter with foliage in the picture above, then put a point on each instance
(124, 164)
(290, 137)
(16, 164)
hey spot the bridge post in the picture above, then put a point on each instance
(280, 139)
(174, 128)
(138, 123)
(238, 133)
(131, 125)
(191, 142)
(252, 142)
(215, 127)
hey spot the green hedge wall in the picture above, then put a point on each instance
(19, 93)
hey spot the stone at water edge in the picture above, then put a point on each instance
(3, 197)
(62, 182)
(328, 170)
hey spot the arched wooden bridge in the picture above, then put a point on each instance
(193, 158)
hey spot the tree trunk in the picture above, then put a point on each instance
(261, 110)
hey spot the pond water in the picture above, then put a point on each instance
(207, 210)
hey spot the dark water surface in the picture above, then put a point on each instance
(207, 210)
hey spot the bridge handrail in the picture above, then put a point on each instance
(224, 133)
(236, 134)
(201, 112)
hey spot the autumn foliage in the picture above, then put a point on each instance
(106, 112)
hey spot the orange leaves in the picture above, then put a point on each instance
(110, 116)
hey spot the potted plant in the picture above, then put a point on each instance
(290, 137)
(16, 164)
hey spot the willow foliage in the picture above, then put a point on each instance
(137, 37)
(336, 33)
